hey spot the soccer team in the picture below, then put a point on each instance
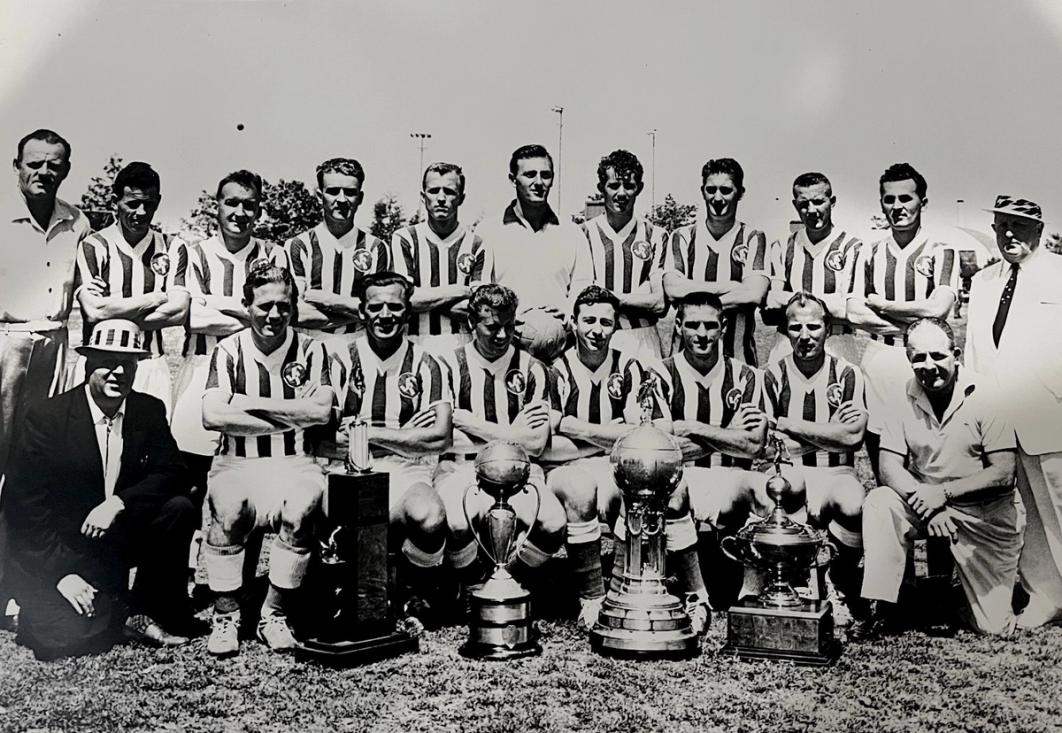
(536, 330)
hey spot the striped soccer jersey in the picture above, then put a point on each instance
(494, 391)
(712, 399)
(237, 367)
(792, 395)
(606, 394)
(319, 261)
(387, 393)
(626, 260)
(214, 271)
(156, 263)
(823, 269)
(742, 252)
(904, 274)
(429, 262)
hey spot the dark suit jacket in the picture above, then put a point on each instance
(56, 478)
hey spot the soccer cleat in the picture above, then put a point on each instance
(273, 629)
(224, 634)
(699, 612)
(589, 611)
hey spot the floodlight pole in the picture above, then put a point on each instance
(652, 137)
(958, 211)
(560, 152)
(421, 139)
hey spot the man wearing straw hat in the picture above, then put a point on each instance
(1014, 338)
(95, 486)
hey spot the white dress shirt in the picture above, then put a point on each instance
(109, 439)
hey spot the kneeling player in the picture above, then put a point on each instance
(715, 405)
(400, 391)
(817, 407)
(601, 393)
(266, 385)
(501, 393)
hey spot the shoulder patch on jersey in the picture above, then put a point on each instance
(642, 249)
(614, 386)
(924, 265)
(515, 382)
(409, 385)
(835, 260)
(466, 262)
(362, 259)
(834, 393)
(295, 374)
(733, 398)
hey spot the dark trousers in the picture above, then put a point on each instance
(152, 539)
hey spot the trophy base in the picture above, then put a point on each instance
(644, 626)
(640, 645)
(492, 653)
(800, 634)
(357, 651)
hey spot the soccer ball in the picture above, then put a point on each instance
(541, 335)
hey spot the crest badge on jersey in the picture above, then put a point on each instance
(160, 264)
(739, 253)
(362, 260)
(924, 265)
(614, 386)
(295, 374)
(466, 262)
(515, 382)
(733, 398)
(835, 260)
(642, 250)
(834, 393)
(409, 385)
(257, 264)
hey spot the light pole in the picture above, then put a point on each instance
(560, 151)
(958, 211)
(652, 195)
(421, 139)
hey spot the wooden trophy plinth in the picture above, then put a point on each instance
(802, 634)
(350, 616)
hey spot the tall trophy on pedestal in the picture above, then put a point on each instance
(779, 623)
(351, 612)
(639, 617)
(500, 623)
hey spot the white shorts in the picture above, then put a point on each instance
(887, 372)
(187, 422)
(715, 490)
(820, 482)
(266, 482)
(641, 343)
(152, 377)
(598, 468)
(441, 345)
(452, 479)
(402, 473)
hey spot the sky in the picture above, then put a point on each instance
(966, 91)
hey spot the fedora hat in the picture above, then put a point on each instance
(1017, 207)
(115, 336)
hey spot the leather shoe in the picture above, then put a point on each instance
(145, 630)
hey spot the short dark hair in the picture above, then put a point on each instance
(442, 169)
(802, 299)
(592, 295)
(498, 298)
(697, 298)
(623, 163)
(244, 178)
(264, 272)
(135, 175)
(383, 279)
(346, 166)
(809, 179)
(930, 321)
(728, 166)
(528, 151)
(903, 172)
(45, 136)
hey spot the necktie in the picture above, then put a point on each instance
(1004, 304)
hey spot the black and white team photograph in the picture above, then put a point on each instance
(403, 366)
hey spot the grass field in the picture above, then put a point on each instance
(910, 682)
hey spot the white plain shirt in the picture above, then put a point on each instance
(109, 439)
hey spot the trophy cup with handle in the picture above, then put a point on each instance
(500, 624)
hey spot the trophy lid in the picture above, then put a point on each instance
(647, 458)
(502, 463)
(787, 533)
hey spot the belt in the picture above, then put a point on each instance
(42, 326)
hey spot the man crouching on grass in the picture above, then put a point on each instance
(266, 385)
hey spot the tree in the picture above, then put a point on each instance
(98, 200)
(671, 215)
(288, 207)
(387, 217)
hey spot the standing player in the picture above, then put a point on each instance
(626, 255)
(267, 385)
(401, 392)
(601, 393)
(127, 271)
(818, 258)
(908, 275)
(443, 259)
(501, 393)
(815, 401)
(722, 256)
(536, 254)
(330, 260)
(716, 407)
